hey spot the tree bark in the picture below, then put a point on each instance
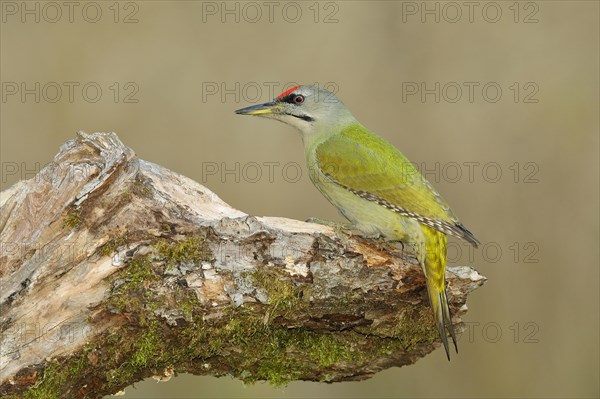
(114, 269)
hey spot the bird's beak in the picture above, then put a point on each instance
(260, 109)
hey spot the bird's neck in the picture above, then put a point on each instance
(322, 129)
(321, 132)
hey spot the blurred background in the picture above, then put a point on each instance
(495, 102)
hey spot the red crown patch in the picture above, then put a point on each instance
(285, 93)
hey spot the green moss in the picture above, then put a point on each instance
(144, 351)
(52, 383)
(241, 342)
(48, 387)
(72, 220)
(129, 293)
(415, 326)
(191, 249)
(188, 305)
(275, 353)
(284, 296)
(260, 351)
(111, 245)
(327, 350)
(157, 347)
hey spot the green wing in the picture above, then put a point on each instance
(373, 169)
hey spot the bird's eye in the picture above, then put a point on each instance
(299, 99)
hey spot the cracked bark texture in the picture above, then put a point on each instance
(114, 269)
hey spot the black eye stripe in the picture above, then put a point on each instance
(290, 98)
(304, 118)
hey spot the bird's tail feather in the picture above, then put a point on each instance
(435, 271)
(443, 321)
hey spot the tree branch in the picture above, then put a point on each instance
(114, 269)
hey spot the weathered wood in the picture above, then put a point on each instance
(114, 269)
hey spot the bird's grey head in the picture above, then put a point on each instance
(304, 107)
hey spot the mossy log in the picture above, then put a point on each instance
(114, 269)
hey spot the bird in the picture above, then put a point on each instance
(373, 185)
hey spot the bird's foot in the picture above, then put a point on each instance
(400, 244)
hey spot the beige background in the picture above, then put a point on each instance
(543, 298)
